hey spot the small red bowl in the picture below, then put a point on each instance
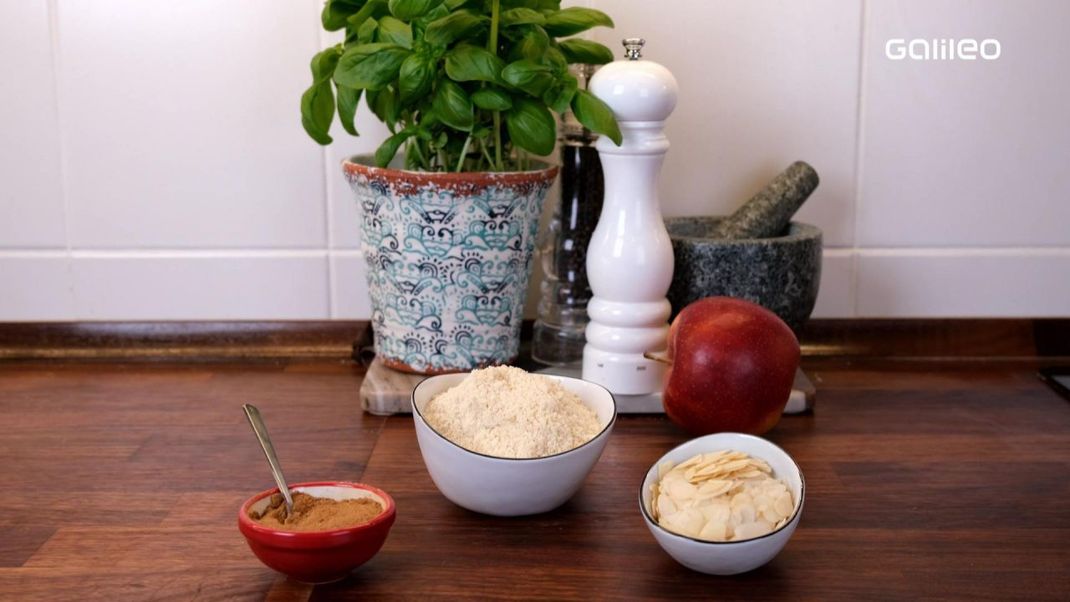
(319, 556)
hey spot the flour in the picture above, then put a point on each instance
(509, 413)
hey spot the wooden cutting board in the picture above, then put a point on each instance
(385, 391)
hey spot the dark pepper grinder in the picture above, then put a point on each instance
(562, 313)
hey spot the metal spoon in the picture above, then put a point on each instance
(257, 422)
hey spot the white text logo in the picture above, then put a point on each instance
(945, 49)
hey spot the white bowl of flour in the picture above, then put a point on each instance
(504, 442)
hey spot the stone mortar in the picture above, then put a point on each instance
(781, 273)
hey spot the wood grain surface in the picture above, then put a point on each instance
(122, 481)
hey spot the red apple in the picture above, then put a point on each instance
(733, 365)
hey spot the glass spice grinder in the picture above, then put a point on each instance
(558, 337)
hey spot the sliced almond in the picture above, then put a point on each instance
(783, 505)
(724, 495)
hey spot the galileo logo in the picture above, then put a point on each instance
(946, 49)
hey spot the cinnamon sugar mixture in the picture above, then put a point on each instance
(316, 513)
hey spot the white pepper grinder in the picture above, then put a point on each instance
(630, 259)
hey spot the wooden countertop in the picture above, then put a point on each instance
(925, 479)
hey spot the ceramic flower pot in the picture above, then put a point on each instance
(448, 258)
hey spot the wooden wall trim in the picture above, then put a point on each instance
(938, 338)
(185, 341)
(210, 341)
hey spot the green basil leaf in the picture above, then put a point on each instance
(370, 66)
(389, 148)
(557, 61)
(420, 25)
(428, 120)
(393, 31)
(384, 105)
(348, 99)
(533, 45)
(586, 51)
(467, 63)
(407, 10)
(529, 76)
(366, 31)
(415, 77)
(317, 111)
(444, 31)
(595, 115)
(335, 13)
(351, 36)
(374, 9)
(323, 64)
(452, 106)
(521, 16)
(574, 20)
(492, 99)
(531, 127)
(560, 96)
(372, 96)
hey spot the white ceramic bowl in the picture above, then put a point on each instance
(730, 557)
(509, 486)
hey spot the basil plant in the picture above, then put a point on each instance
(463, 85)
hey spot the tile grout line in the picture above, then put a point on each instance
(331, 284)
(283, 253)
(328, 210)
(64, 188)
(962, 251)
(859, 148)
(198, 253)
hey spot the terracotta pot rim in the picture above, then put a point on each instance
(360, 164)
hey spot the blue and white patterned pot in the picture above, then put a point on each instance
(449, 256)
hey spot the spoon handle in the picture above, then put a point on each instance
(257, 422)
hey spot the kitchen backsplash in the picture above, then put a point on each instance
(153, 164)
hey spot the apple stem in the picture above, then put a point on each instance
(658, 357)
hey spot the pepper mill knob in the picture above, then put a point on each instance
(633, 48)
(636, 89)
(630, 258)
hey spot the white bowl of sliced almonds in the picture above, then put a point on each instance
(723, 504)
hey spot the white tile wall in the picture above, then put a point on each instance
(836, 295)
(761, 85)
(967, 153)
(153, 166)
(31, 192)
(350, 296)
(35, 285)
(979, 283)
(181, 124)
(189, 286)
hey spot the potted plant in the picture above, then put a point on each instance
(450, 202)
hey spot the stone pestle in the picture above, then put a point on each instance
(767, 213)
